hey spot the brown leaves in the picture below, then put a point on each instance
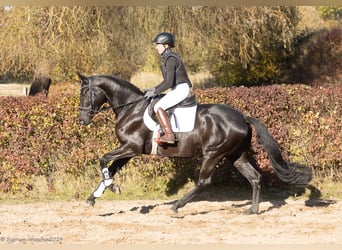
(42, 136)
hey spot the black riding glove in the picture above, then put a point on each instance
(149, 93)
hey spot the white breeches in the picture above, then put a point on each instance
(173, 97)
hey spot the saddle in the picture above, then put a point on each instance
(186, 103)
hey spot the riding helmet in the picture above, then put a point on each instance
(165, 38)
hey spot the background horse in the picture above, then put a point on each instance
(220, 131)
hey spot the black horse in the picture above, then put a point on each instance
(220, 131)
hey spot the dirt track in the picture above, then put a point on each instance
(152, 222)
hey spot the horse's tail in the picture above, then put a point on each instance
(292, 173)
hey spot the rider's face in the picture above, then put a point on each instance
(160, 48)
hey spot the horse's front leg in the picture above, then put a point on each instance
(107, 180)
(119, 157)
(113, 169)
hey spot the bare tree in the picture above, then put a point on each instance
(234, 43)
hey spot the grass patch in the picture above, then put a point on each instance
(329, 183)
(66, 187)
(134, 186)
(59, 187)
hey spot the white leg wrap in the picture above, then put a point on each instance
(108, 182)
(100, 189)
(106, 177)
(105, 173)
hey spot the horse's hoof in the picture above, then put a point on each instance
(90, 201)
(251, 211)
(115, 188)
(174, 208)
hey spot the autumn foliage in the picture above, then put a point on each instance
(250, 45)
(41, 136)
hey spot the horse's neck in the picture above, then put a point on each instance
(131, 109)
(117, 95)
(122, 100)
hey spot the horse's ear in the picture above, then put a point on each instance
(83, 79)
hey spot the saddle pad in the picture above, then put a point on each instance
(182, 120)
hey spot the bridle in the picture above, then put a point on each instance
(91, 105)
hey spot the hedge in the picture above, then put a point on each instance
(41, 136)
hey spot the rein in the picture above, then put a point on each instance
(125, 104)
(91, 106)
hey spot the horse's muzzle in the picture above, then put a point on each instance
(83, 122)
(85, 118)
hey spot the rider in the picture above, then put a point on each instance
(175, 78)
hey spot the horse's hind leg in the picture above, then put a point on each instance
(187, 197)
(207, 169)
(247, 170)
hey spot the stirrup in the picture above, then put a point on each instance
(161, 139)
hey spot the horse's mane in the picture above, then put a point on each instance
(124, 84)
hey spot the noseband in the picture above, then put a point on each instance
(91, 105)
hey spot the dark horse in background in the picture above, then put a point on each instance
(220, 131)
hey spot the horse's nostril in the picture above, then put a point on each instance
(81, 122)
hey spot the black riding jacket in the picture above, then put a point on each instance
(173, 71)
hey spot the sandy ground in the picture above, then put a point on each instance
(152, 222)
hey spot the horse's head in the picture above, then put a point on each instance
(91, 99)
